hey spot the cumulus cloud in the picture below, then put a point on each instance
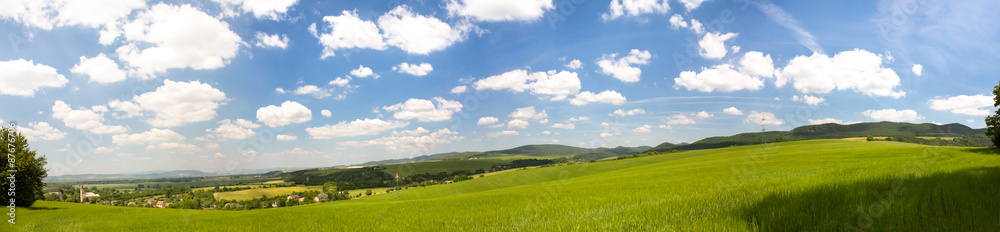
(151, 136)
(409, 143)
(502, 133)
(40, 131)
(978, 105)
(289, 112)
(528, 113)
(326, 113)
(677, 21)
(175, 147)
(607, 96)
(635, 8)
(347, 31)
(918, 69)
(678, 119)
(176, 37)
(265, 40)
(732, 111)
(859, 70)
(623, 112)
(768, 118)
(574, 64)
(425, 110)
(830, 120)
(703, 115)
(608, 134)
(517, 124)
(692, 4)
(623, 68)
(757, 64)
(459, 89)
(487, 121)
(179, 103)
(83, 119)
(722, 78)
(808, 99)
(419, 70)
(568, 126)
(357, 127)
(88, 13)
(416, 34)
(99, 69)
(893, 115)
(233, 129)
(261, 9)
(643, 129)
(363, 71)
(316, 91)
(713, 45)
(557, 86)
(494, 11)
(23, 78)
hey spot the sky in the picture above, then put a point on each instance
(228, 85)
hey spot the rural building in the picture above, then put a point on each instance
(151, 201)
(274, 205)
(159, 204)
(131, 203)
(168, 204)
(293, 197)
(321, 197)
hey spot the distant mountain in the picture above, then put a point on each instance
(550, 151)
(153, 175)
(406, 160)
(971, 137)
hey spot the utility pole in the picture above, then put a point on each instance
(762, 140)
(397, 185)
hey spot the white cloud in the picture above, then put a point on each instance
(677, 21)
(608, 134)
(41, 131)
(487, 121)
(623, 112)
(459, 89)
(233, 129)
(581, 118)
(211, 146)
(643, 129)
(635, 8)
(736, 49)
(83, 119)
(623, 68)
(768, 118)
(502, 133)
(102, 150)
(363, 71)
(494, 11)
(286, 137)
(416, 34)
(326, 113)
(722, 78)
(348, 31)
(316, 91)
(265, 40)
(88, 13)
(419, 70)
(732, 111)
(410, 143)
(179, 103)
(414, 132)
(697, 27)
(261, 9)
(858, 69)
(608, 96)
(175, 147)
(713, 45)
(180, 37)
(219, 155)
(830, 120)
(918, 69)
(289, 112)
(517, 124)
(808, 99)
(568, 126)
(757, 64)
(340, 81)
(978, 105)
(279, 90)
(558, 85)
(23, 77)
(425, 110)
(357, 127)
(692, 4)
(499, 125)
(99, 69)
(604, 124)
(574, 64)
(893, 115)
(151, 136)
(678, 119)
(528, 113)
(703, 115)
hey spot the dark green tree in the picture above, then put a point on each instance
(26, 172)
(870, 138)
(993, 121)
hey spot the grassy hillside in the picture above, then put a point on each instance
(806, 185)
(549, 151)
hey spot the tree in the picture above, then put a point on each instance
(26, 181)
(993, 121)
(870, 138)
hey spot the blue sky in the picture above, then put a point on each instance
(219, 86)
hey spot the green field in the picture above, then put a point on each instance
(820, 185)
(433, 167)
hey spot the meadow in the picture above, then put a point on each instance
(817, 185)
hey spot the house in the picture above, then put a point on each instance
(302, 199)
(168, 204)
(159, 204)
(114, 202)
(448, 182)
(321, 197)
(131, 203)
(293, 197)
(151, 201)
(274, 205)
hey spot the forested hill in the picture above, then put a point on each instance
(906, 132)
(550, 151)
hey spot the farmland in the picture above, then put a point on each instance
(794, 186)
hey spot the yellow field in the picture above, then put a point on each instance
(883, 138)
(256, 192)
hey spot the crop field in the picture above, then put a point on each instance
(407, 169)
(818, 185)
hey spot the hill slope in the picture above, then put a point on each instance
(794, 186)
